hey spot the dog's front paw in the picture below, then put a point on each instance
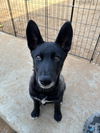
(58, 116)
(35, 113)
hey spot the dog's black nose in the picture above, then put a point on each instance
(45, 82)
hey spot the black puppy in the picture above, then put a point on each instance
(47, 85)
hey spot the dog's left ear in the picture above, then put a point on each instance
(33, 35)
(64, 38)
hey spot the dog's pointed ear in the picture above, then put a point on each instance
(64, 38)
(33, 35)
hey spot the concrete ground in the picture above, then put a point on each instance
(81, 97)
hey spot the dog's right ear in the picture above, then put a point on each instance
(33, 35)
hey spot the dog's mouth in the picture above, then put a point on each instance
(46, 86)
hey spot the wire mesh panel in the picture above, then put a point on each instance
(19, 16)
(5, 17)
(58, 12)
(86, 25)
(50, 15)
(36, 12)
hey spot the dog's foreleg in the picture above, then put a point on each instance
(36, 111)
(57, 111)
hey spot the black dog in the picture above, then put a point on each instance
(47, 85)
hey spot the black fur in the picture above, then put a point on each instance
(47, 85)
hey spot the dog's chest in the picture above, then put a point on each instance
(47, 98)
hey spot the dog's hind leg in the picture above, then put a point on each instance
(36, 111)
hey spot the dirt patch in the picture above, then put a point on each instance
(4, 128)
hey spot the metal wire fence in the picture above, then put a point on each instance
(50, 15)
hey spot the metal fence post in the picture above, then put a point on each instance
(12, 20)
(72, 10)
(46, 20)
(26, 8)
(95, 49)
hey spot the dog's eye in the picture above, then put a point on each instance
(56, 58)
(38, 57)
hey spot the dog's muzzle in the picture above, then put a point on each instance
(45, 84)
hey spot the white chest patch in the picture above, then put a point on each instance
(43, 101)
